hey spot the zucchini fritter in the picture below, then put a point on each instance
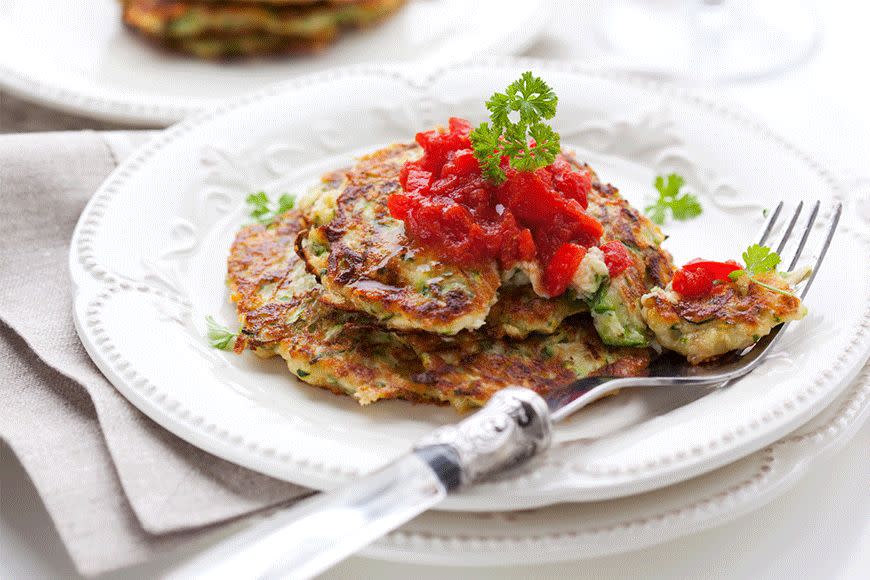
(279, 305)
(467, 369)
(276, 2)
(734, 317)
(520, 312)
(616, 308)
(213, 29)
(366, 262)
(280, 311)
(243, 46)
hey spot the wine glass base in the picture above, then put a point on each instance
(708, 41)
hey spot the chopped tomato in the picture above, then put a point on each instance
(696, 278)
(617, 257)
(719, 270)
(447, 204)
(561, 267)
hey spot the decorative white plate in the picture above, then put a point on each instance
(78, 57)
(148, 259)
(577, 531)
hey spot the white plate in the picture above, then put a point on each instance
(77, 56)
(577, 531)
(148, 259)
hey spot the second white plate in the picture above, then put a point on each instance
(86, 62)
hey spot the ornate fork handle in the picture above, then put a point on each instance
(514, 426)
(315, 534)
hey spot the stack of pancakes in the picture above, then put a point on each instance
(230, 28)
(338, 290)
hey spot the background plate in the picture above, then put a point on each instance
(86, 62)
(148, 258)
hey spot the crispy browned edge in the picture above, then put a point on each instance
(374, 178)
(729, 305)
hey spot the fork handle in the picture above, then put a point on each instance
(317, 533)
(514, 426)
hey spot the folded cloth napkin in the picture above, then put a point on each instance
(18, 116)
(119, 488)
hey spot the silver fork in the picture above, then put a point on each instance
(515, 425)
(670, 370)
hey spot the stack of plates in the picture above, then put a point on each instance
(149, 260)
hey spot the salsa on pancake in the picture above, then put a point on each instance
(533, 216)
(703, 277)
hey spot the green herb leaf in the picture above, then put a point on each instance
(285, 203)
(681, 207)
(534, 101)
(258, 203)
(486, 142)
(302, 374)
(760, 259)
(220, 337)
(657, 213)
(686, 207)
(529, 95)
(547, 145)
(262, 210)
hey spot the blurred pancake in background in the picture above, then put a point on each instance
(237, 28)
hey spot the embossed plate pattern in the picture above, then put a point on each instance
(148, 260)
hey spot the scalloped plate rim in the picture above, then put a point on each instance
(84, 279)
(815, 444)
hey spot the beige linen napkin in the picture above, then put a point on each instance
(18, 116)
(118, 487)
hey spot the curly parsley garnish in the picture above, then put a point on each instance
(220, 337)
(262, 209)
(528, 143)
(759, 259)
(682, 207)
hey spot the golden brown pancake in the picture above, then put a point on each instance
(733, 317)
(216, 29)
(466, 370)
(367, 263)
(616, 308)
(280, 307)
(280, 311)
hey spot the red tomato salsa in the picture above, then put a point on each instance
(447, 204)
(698, 278)
(616, 257)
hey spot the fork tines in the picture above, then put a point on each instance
(787, 237)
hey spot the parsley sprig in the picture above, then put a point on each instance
(219, 336)
(682, 207)
(263, 211)
(759, 259)
(528, 143)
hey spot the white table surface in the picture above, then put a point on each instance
(819, 529)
